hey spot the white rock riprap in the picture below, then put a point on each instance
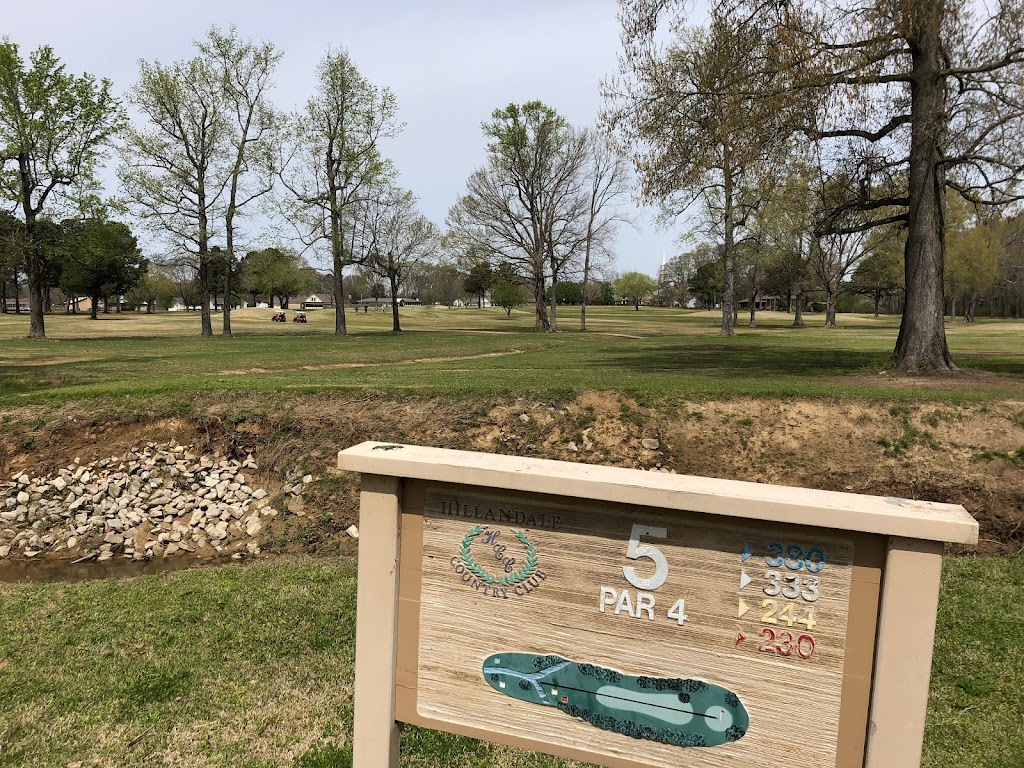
(152, 502)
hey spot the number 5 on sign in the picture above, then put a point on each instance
(636, 550)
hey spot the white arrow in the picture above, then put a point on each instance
(744, 579)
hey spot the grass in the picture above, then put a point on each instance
(252, 666)
(467, 351)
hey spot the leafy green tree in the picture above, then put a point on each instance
(604, 295)
(706, 284)
(973, 257)
(156, 290)
(173, 169)
(275, 272)
(102, 259)
(880, 274)
(12, 256)
(507, 295)
(478, 280)
(635, 287)
(54, 129)
(569, 293)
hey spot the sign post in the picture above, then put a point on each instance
(630, 618)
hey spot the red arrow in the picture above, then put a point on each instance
(740, 637)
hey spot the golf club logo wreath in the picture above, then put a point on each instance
(516, 577)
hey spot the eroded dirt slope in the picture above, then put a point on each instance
(966, 454)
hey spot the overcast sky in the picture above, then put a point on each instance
(449, 62)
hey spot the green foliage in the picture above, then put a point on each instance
(568, 293)
(507, 296)
(479, 279)
(635, 287)
(102, 259)
(275, 272)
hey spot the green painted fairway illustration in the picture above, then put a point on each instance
(678, 711)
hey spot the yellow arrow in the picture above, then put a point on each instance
(743, 609)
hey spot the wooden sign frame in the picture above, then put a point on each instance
(893, 593)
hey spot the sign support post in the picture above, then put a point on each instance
(375, 733)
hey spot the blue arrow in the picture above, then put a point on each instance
(747, 552)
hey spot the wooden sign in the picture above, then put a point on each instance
(631, 619)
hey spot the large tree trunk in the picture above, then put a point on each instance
(396, 325)
(878, 297)
(952, 308)
(226, 327)
(338, 256)
(972, 305)
(204, 295)
(3, 297)
(728, 260)
(830, 309)
(798, 313)
(553, 318)
(540, 322)
(921, 345)
(584, 284)
(94, 302)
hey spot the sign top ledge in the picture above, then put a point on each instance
(890, 516)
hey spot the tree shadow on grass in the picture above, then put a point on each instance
(744, 361)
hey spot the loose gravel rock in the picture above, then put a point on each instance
(157, 501)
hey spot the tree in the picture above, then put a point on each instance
(12, 256)
(401, 239)
(569, 293)
(54, 128)
(917, 97)
(507, 295)
(174, 170)
(245, 70)
(706, 284)
(102, 259)
(479, 280)
(974, 256)
(880, 274)
(704, 119)
(336, 162)
(155, 290)
(275, 272)
(525, 206)
(635, 287)
(606, 178)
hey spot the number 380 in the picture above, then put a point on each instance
(795, 558)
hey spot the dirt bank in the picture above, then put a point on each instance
(966, 454)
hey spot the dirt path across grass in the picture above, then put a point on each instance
(337, 366)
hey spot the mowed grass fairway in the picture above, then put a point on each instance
(654, 351)
(251, 665)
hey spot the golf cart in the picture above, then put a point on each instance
(300, 317)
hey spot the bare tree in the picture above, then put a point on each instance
(336, 160)
(245, 70)
(401, 239)
(606, 184)
(704, 117)
(174, 171)
(525, 205)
